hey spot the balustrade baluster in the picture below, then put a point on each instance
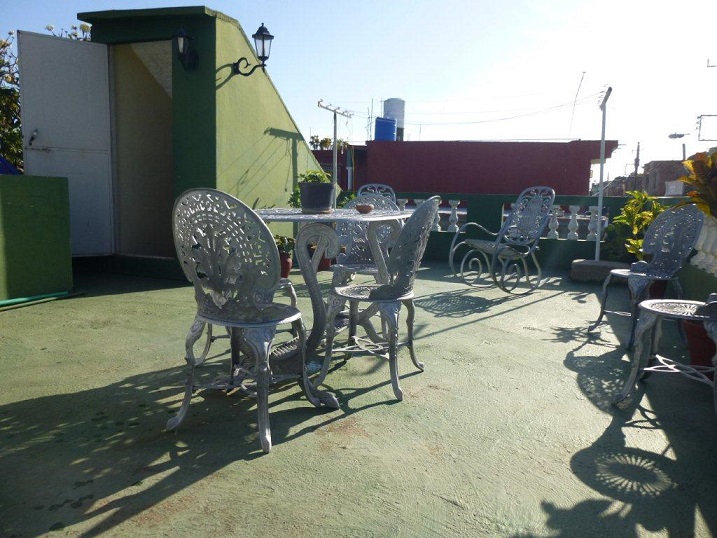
(593, 224)
(553, 223)
(573, 224)
(453, 219)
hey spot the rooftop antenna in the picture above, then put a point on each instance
(602, 168)
(334, 176)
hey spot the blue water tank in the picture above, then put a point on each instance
(385, 129)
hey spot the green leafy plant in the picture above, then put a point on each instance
(702, 177)
(629, 227)
(314, 176)
(310, 176)
(10, 131)
(284, 243)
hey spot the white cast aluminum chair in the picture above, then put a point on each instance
(377, 188)
(356, 257)
(230, 256)
(668, 242)
(402, 265)
(504, 260)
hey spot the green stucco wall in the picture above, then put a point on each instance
(35, 256)
(229, 132)
(260, 150)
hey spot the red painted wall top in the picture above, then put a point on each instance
(479, 167)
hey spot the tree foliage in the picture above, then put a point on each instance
(10, 128)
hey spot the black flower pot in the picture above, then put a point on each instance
(316, 197)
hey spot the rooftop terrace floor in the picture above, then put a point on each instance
(509, 431)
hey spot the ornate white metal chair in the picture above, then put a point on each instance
(356, 257)
(668, 242)
(230, 256)
(397, 290)
(504, 259)
(377, 188)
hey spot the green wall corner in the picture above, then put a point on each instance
(35, 254)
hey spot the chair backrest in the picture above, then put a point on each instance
(670, 239)
(225, 250)
(377, 188)
(528, 217)
(353, 235)
(407, 252)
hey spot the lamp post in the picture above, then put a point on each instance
(602, 167)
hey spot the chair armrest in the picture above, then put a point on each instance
(467, 225)
(639, 267)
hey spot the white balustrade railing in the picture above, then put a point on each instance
(575, 222)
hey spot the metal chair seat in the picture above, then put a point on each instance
(490, 247)
(235, 315)
(369, 293)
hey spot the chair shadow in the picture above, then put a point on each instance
(643, 489)
(103, 454)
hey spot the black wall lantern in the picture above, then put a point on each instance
(262, 43)
(187, 55)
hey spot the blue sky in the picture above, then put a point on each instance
(477, 69)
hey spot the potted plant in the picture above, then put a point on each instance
(316, 193)
(702, 177)
(285, 245)
(635, 217)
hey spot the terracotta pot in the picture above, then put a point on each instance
(699, 344)
(657, 289)
(286, 263)
(324, 263)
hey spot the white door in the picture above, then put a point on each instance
(64, 95)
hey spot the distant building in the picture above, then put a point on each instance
(660, 178)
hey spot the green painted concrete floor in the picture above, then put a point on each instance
(509, 431)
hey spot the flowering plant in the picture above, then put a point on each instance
(702, 177)
(284, 244)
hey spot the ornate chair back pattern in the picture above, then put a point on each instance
(407, 252)
(528, 218)
(670, 239)
(377, 188)
(352, 235)
(228, 253)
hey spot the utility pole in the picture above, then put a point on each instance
(334, 175)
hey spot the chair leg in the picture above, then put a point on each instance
(335, 305)
(603, 300)
(195, 332)
(390, 311)
(410, 316)
(638, 290)
(482, 267)
(260, 340)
